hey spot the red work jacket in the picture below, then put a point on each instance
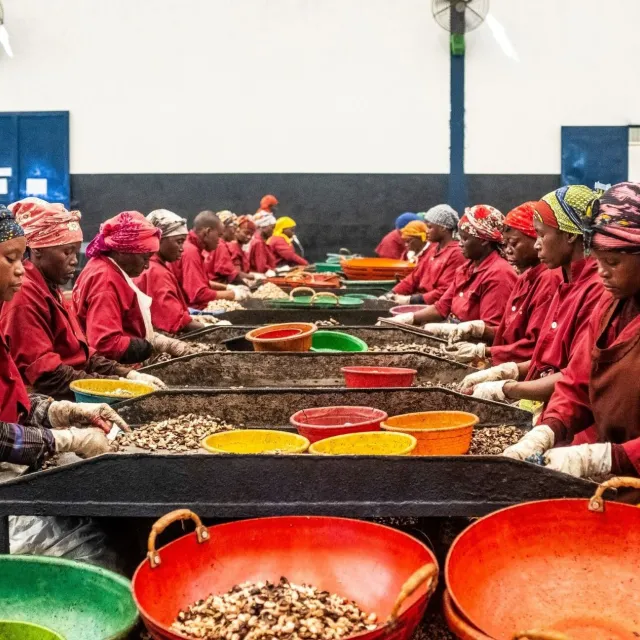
(43, 332)
(169, 311)
(392, 246)
(566, 320)
(191, 274)
(239, 256)
(478, 292)
(107, 308)
(524, 314)
(219, 264)
(14, 399)
(284, 253)
(261, 259)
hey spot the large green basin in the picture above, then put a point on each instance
(26, 631)
(74, 599)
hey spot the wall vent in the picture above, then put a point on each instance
(634, 136)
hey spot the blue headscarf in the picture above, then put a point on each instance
(9, 228)
(403, 220)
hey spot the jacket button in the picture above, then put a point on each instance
(554, 325)
(461, 294)
(513, 308)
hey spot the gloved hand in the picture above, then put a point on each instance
(64, 414)
(493, 390)
(467, 330)
(175, 348)
(387, 296)
(403, 318)
(537, 441)
(137, 376)
(464, 351)
(440, 329)
(240, 292)
(398, 299)
(582, 461)
(258, 277)
(270, 274)
(504, 371)
(85, 443)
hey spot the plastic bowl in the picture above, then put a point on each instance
(26, 631)
(366, 444)
(290, 336)
(439, 433)
(248, 441)
(337, 342)
(325, 422)
(407, 308)
(101, 390)
(378, 377)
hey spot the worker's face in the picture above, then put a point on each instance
(133, 264)
(229, 234)
(520, 249)
(436, 232)
(554, 247)
(414, 244)
(171, 248)
(57, 264)
(290, 232)
(620, 272)
(243, 235)
(472, 248)
(11, 269)
(267, 232)
(211, 237)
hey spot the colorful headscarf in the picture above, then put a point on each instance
(9, 228)
(282, 224)
(264, 219)
(483, 222)
(246, 222)
(268, 202)
(616, 219)
(415, 229)
(442, 215)
(47, 224)
(227, 217)
(171, 224)
(566, 208)
(521, 219)
(403, 220)
(128, 232)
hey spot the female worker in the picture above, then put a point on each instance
(219, 264)
(392, 245)
(438, 264)
(597, 399)
(34, 426)
(481, 285)
(169, 311)
(261, 258)
(47, 343)
(268, 205)
(526, 309)
(114, 313)
(240, 247)
(282, 245)
(558, 221)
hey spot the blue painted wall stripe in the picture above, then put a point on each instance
(457, 179)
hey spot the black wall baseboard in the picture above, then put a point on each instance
(332, 210)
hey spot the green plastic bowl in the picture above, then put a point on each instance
(76, 600)
(25, 631)
(327, 267)
(336, 342)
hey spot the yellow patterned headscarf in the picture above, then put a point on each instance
(282, 224)
(566, 208)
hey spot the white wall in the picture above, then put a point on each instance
(167, 86)
(578, 65)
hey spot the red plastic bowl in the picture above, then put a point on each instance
(407, 308)
(376, 377)
(326, 422)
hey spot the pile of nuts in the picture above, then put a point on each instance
(408, 346)
(183, 433)
(269, 291)
(225, 305)
(121, 393)
(492, 441)
(331, 322)
(255, 610)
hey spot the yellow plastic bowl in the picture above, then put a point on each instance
(255, 441)
(439, 433)
(99, 390)
(375, 443)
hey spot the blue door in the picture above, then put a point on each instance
(34, 156)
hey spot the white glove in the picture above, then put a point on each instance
(258, 276)
(136, 376)
(65, 414)
(440, 329)
(537, 441)
(85, 443)
(403, 318)
(240, 292)
(491, 390)
(401, 299)
(270, 274)
(467, 330)
(175, 348)
(388, 296)
(464, 351)
(504, 371)
(582, 461)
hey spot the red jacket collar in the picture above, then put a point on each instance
(582, 269)
(194, 240)
(34, 274)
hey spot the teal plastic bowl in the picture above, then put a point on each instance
(328, 267)
(337, 342)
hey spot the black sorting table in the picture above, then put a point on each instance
(262, 316)
(150, 485)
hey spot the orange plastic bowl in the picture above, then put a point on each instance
(439, 433)
(553, 565)
(376, 268)
(290, 336)
(361, 561)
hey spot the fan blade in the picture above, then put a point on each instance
(470, 8)
(437, 13)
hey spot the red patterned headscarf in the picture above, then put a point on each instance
(521, 219)
(484, 222)
(268, 202)
(616, 222)
(128, 232)
(47, 224)
(246, 222)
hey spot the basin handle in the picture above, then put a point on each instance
(325, 294)
(299, 289)
(160, 525)
(535, 634)
(597, 502)
(427, 572)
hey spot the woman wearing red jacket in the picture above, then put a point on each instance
(261, 258)
(283, 242)
(392, 245)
